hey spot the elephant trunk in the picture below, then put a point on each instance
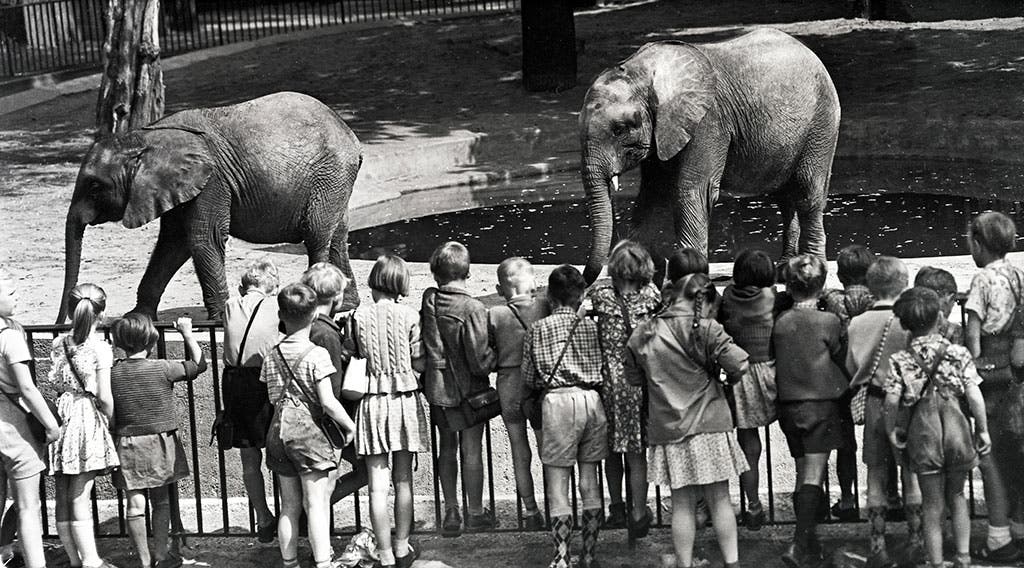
(74, 231)
(598, 185)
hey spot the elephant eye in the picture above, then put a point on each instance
(618, 129)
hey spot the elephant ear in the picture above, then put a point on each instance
(171, 167)
(684, 85)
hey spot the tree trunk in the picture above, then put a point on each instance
(132, 90)
(549, 45)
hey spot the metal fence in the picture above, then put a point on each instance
(52, 35)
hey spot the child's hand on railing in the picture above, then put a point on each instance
(183, 325)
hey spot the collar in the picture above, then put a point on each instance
(520, 299)
(328, 320)
(452, 289)
(565, 310)
(811, 304)
(926, 339)
(301, 336)
(882, 306)
(997, 263)
(856, 288)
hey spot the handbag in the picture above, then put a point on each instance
(332, 430)
(356, 382)
(530, 405)
(223, 429)
(859, 401)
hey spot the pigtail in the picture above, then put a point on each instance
(85, 302)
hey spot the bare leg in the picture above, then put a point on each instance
(255, 487)
(30, 526)
(136, 521)
(380, 517)
(315, 500)
(717, 497)
(62, 513)
(80, 489)
(288, 519)
(959, 512)
(522, 460)
(684, 524)
(401, 477)
(933, 491)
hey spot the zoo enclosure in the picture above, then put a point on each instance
(208, 491)
(53, 35)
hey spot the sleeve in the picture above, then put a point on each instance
(183, 370)
(965, 365)
(433, 350)
(104, 355)
(415, 342)
(479, 353)
(839, 346)
(13, 346)
(723, 309)
(894, 380)
(492, 329)
(328, 339)
(323, 367)
(528, 369)
(724, 351)
(266, 368)
(977, 296)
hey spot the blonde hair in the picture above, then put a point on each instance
(805, 274)
(390, 274)
(327, 280)
(86, 302)
(514, 271)
(7, 276)
(261, 273)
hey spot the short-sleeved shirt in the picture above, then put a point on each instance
(263, 334)
(314, 367)
(13, 349)
(991, 295)
(581, 364)
(849, 302)
(89, 357)
(954, 374)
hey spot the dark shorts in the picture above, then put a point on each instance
(511, 392)
(878, 450)
(811, 427)
(248, 406)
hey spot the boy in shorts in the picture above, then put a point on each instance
(562, 358)
(507, 326)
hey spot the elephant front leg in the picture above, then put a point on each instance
(339, 257)
(790, 228)
(170, 253)
(692, 214)
(208, 239)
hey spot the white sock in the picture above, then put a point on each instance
(387, 558)
(401, 547)
(1017, 530)
(998, 537)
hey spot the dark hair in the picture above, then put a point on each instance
(390, 274)
(887, 277)
(937, 279)
(853, 263)
(450, 262)
(134, 333)
(994, 231)
(85, 304)
(566, 285)
(686, 261)
(630, 262)
(753, 268)
(805, 274)
(918, 309)
(297, 303)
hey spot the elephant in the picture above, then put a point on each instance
(756, 114)
(275, 169)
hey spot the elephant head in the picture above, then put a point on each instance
(132, 178)
(647, 107)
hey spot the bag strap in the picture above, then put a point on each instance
(568, 340)
(692, 353)
(877, 361)
(519, 318)
(252, 318)
(929, 369)
(292, 376)
(71, 365)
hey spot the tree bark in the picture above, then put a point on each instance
(549, 45)
(132, 89)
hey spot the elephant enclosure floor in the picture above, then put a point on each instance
(948, 88)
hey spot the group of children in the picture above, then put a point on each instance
(667, 386)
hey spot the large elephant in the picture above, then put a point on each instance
(275, 169)
(756, 114)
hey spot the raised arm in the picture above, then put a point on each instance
(195, 358)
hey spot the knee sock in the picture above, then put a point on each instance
(1017, 530)
(915, 528)
(137, 532)
(807, 500)
(591, 521)
(86, 542)
(876, 521)
(66, 538)
(998, 537)
(401, 547)
(561, 532)
(387, 558)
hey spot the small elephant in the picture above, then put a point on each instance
(756, 114)
(276, 169)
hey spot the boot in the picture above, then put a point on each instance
(561, 532)
(878, 556)
(914, 554)
(591, 521)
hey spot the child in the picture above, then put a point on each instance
(298, 375)
(990, 305)
(746, 314)
(873, 337)
(679, 353)
(458, 361)
(940, 450)
(146, 428)
(507, 326)
(250, 330)
(392, 423)
(329, 283)
(621, 306)
(80, 373)
(943, 284)
(810, 348)
(22, 451)
(562, 358)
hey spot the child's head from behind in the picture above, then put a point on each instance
(918, 310)
(805, 276)
(630, 262)
(134, 333)
(86, 304)
(261, 274)
(450, 263)
(689, 280)
(942, 282)
(390, 275)
(686, 261)
(8, 294)
(992, 236)
(327, 282)
(565, 287)
(887, 277)
(296, 306)
(852, 264)
(753, 268)
(515, 277)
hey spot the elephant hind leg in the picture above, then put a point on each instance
(339, 257)
(790, 225)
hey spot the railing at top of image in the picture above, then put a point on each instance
(53, 35)
(205, 481)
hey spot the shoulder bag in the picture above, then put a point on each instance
(859, 401)
(223, 429)
(356, 383)
(530, 405)
(331, 429)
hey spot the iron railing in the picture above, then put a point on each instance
(54, 35)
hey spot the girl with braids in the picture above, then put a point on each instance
(80, 374)
(681, 354)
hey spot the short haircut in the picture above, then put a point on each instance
(450, 262)
(566, 285)
(134, 333)
(918, 309)
(630, 262)
(805, 274)
(262, 274)
(994, 231)
(686, 261)
(297, 304)
(887, 277)
(326, 280)
(513, 269)
(390, 274)
(753, 268)
(852, 264)
(936, 279)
